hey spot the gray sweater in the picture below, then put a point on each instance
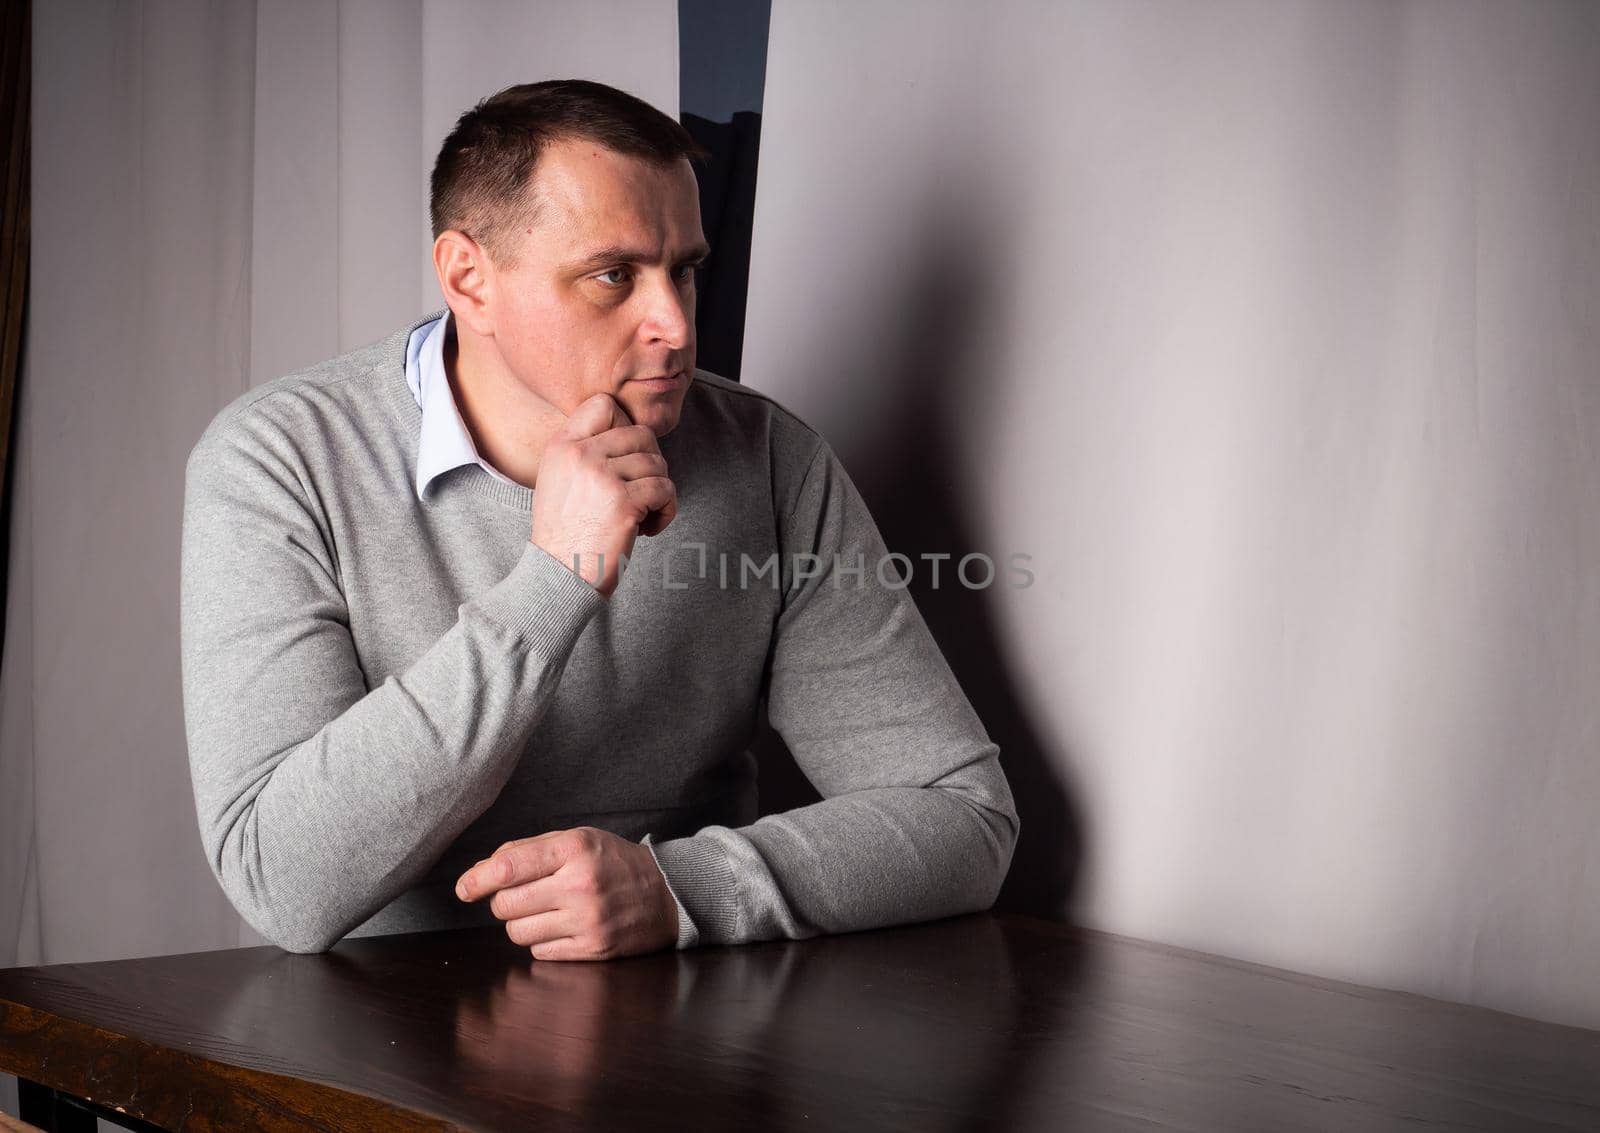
(379, 691)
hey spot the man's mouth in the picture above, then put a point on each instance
(662, 383)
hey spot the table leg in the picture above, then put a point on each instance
(58, 1112)
(52, 1110)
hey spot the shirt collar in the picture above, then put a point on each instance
(445, 442)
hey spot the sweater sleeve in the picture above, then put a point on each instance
(320, 801)
(917, 820)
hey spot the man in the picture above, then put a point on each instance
(422, 691)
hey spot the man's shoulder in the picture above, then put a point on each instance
(337, 392)
(757, 419)
(732, 398)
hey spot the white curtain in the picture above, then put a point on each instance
(1271, 330)
(222, 192)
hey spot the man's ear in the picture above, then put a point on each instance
(466, 276)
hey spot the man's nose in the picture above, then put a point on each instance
(668, 318)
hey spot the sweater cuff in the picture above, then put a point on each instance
(688, 935)
(542, 604)
(702, 881)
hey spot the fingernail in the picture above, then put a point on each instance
(461, 890)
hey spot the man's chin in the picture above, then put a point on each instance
(658, 414)
(664, 425)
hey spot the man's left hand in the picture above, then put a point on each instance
(581, 894)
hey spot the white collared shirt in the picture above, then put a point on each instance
(445, 442)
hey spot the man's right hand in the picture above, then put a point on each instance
(602, 482)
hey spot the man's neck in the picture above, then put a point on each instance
(509, 424)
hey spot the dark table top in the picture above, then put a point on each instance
(986, 1021)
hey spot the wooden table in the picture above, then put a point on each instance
(985, 1021)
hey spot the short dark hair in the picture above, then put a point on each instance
(482, 180)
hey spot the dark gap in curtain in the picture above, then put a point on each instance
(15, 87)
(722, 62)
(727, 212)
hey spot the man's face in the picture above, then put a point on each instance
(602, 296)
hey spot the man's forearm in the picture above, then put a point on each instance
(346, 820)
(308, 841)
(887, 855)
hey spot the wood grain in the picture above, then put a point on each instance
(177, 1090)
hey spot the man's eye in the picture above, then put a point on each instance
(684, 274)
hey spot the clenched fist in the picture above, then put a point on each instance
(602, 482)
(581, 894)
